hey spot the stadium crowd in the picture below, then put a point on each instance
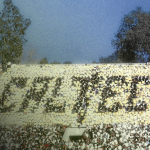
(98, 137)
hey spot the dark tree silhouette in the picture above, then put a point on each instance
(44, 61)
(109, 59)
(133, 37)
(12, 31)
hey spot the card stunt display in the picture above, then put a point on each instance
(75, 94)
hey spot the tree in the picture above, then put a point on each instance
(44, 61)
(94, 62)
(12, 31)
(67, 62)
(133, 36)
(30, 57)
(109, 59)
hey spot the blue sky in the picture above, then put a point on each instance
(74, 30)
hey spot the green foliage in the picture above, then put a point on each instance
(12, 31)
(110, 59)
(55, 62)
(94, 62)
(44, 61)
(67, 62)
(133, 36)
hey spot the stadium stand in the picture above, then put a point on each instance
(39, 104)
